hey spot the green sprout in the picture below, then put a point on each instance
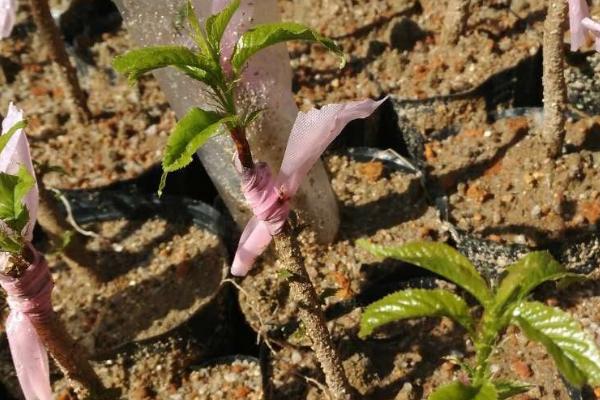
(13, 189)
(574, 351)
(203, 64)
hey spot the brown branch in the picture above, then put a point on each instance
(555, 88)
(303, 293)
(70, 357)
(243, 147)
(51, 37)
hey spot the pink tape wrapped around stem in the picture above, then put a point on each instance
(270, 197)
(29, 300)
(29, 294)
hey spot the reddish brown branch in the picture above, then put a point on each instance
(238, 135)
(51, 37)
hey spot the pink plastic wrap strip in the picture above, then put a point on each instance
(29, 300)
(269, 198)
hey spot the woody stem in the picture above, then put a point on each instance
(555, 88)
(52, 39)
(243, 147)
(304, 294)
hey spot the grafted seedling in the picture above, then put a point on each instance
(32, 327)
(222, 74)
(575, 353)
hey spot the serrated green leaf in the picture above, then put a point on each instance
(507, 389)
(13, 188)
(440, 259)
(5, 137)
(190, 133)
(216, 24)
(196, 29)
(135, 63)
(525, 275)
(574, 351)
(8, 183)
(415, 303)
(459, 391)
(265, 35)
(26, 182)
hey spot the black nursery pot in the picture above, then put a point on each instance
(156, 285)
(161, 263)
(158, 264)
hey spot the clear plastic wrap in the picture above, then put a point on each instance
(267, 84)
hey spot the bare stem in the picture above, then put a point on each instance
(311, 314)
(243, 147)
(70, 357)
(455, 21)
(555, 88)
(52, 39)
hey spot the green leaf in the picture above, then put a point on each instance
(459, 391)
(507, 389)
(574, 351)
(137, 62)
(415, 303)
(13, 188)
(8, 183)
(26, 182)
(4, 138)
(265, 35)
(525, 275)
(190, 133)
(197, 33)
(440, 259)
(216, 24)
(10, 243)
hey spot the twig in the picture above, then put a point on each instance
(52, 39)
(316, 383)
(256, 311)
(303, 293)
(555, 88)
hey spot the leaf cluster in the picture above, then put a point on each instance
(574, 351)
(204, 64)
(14, 216)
